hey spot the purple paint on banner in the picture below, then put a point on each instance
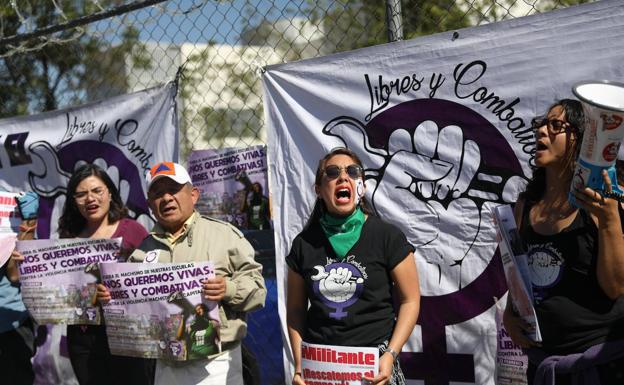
(89, 151)
(435, 365)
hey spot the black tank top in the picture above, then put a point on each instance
(572, 310)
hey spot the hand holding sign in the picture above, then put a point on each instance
(213, 289)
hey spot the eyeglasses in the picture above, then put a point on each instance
(81, 196)
(353, 170)
(555, 126)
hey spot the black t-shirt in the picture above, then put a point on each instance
(350, 301)
(573, 311)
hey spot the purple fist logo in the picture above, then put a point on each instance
(435, 168)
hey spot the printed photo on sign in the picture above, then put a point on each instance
(338, 365)
(234, 186)
(59, 278)
(157, 311)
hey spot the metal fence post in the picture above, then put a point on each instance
(394, 20)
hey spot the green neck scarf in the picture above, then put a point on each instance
(342, 233)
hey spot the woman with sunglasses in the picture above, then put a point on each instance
(94, 209)
(350, 267)
(576, 262)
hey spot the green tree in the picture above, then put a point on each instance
(48, 72)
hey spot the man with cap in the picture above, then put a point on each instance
(183, 235)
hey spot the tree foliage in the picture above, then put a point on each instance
(40, 77)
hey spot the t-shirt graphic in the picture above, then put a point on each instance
(339, 284)
(546, 268)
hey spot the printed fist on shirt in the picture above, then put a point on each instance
(338, 285)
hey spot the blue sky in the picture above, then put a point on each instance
(220, 21)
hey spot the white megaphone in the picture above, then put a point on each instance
(603, 105)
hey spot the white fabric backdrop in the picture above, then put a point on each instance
(443, 126)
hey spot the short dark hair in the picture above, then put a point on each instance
(71, 221)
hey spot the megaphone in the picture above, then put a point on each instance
(603, 106)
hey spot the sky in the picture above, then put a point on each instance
(199, 21)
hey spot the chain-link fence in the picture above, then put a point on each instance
(58, 53)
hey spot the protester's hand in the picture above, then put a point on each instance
(16, 256)
(298, 379)
(213, 289)
(386, 361)
(517, 328)
(102, 294)
(604, 209)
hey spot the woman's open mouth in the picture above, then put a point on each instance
(343, 195)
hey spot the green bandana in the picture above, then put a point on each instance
(342, 233)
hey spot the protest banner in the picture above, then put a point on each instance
(337, 365)
(59, 278)
(157, 311)
(124, 135)
(233, 184)
(442, 124)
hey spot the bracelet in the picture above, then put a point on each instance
(395, 355)
(298, 374)
(613, 195)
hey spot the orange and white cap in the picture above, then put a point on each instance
(170, 170)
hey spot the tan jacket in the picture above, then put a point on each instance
(207, 239)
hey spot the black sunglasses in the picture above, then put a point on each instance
(353, 170)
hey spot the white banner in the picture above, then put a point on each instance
(442, 124)
(124, 135)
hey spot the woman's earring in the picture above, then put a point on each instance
(359, 191)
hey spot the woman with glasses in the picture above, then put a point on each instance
(576, 262)
(94, 209)
(350, 267)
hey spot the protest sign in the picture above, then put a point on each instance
(511, 362)
(9, 213)
(233, 183)
(9, 222)
(516, 269)
(337, 365)
(59, 278)
(157, 311)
